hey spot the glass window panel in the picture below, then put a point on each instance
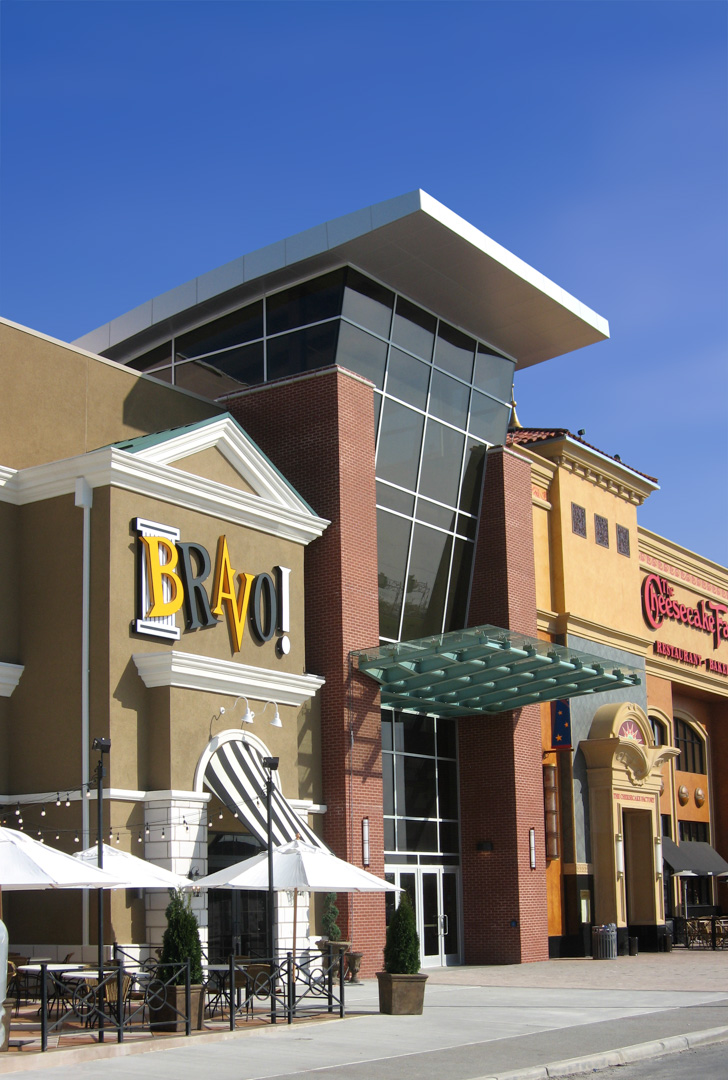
(407, 882)
(416, 835)
(450, 909)
(488, 419)
(467, 526)
(163, 373)
(234, 329)
(387, 743)
(414, 734)
(159, 357)
(367, 303)
(377, 412)
(388, 783)
(494, 374)
(202, 378)
(407, 378)
(449, 399)
(244, 364)
(414, 329)
(389, 900)
(449, 836)
(362, 353)
(304, 350)
(393, 535)
(430, 919)
(472, 477)
(442, 460)
(447, 789)
(389, 844)
(394, 499)
(426, 583)
(454, 352)
(462, 563)
(419, 787)
(435, 515)
(309, 302)
(446, 738)
(400, 441)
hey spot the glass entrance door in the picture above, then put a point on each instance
(435, 895)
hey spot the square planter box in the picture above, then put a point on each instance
(401, 995)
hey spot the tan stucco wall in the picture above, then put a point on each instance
(212, 465)
(69, 402)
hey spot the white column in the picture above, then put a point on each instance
(177, 840)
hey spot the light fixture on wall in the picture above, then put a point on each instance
(248, 715)
(276, 721)
(658, 856)
(532, 848)
(619, 852)
(365, 841)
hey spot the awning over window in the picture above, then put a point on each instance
(695, 856)
(235, 773)
(486, 670)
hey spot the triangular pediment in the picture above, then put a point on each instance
(212, 464)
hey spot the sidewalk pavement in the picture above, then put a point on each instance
(530, 1022)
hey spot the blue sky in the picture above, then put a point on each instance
(144, 143)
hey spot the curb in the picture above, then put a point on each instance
(626, 1055)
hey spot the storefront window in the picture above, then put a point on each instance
(691, 747)
(310, 302)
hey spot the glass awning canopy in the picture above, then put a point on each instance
(486, 670)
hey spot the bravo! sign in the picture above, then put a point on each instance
(658, 604)
(173, 576)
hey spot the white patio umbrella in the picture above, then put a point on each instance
(297, 866)
(133, 872)
(25, 863)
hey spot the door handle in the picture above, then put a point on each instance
(444, 925)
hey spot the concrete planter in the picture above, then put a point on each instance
(401, 995)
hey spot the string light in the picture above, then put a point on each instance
(75, 839)
(117, 838)
(43, 813)
(58, 798)
(68, 801)
(88, 792)
(17, 810)
(163, 832)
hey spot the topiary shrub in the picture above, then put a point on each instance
(181, 938)
(402, 950)
(329, 917)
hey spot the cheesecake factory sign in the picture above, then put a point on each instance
(173, 576)
(659, 605)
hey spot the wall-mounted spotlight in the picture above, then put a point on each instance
(532, 848)
(619, 853)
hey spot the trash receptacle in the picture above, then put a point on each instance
(604, 942)
(634, 946)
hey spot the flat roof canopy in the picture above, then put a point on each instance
(486, 670)
(694, 856)
(412, 243)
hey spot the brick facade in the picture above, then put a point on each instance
(501, 785)
(318, 430)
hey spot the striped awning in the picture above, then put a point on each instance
(486, 670)
(235, 774)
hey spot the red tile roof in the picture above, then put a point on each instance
(526, 436)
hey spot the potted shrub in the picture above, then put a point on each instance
(331, 930)
(401, 985)
(167, 993)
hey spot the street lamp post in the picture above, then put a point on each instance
(103, 746)
(271, 764)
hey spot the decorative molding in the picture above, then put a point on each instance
(696, 678)
(277, 512)
(9, 677)
(191, 672)
(692, 571)
(601, 472)
(569, 623)
(581, 868)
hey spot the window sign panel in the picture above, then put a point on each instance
(449, 399)
(426, 583)
(393, 535)
(362, 353)
(367, 303)
(400, 439)
(414, 329)
(442, 459)
(494, 374)
(454, 352)
(408, 378)
(304, 350)
(310, 302)
(488, 419)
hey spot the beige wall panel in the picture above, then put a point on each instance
(102, 402)
(310, 783)
(659, 694)
(9, 584)
(542, 558)
(599, 584)
(213, 466)
(46, 705)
